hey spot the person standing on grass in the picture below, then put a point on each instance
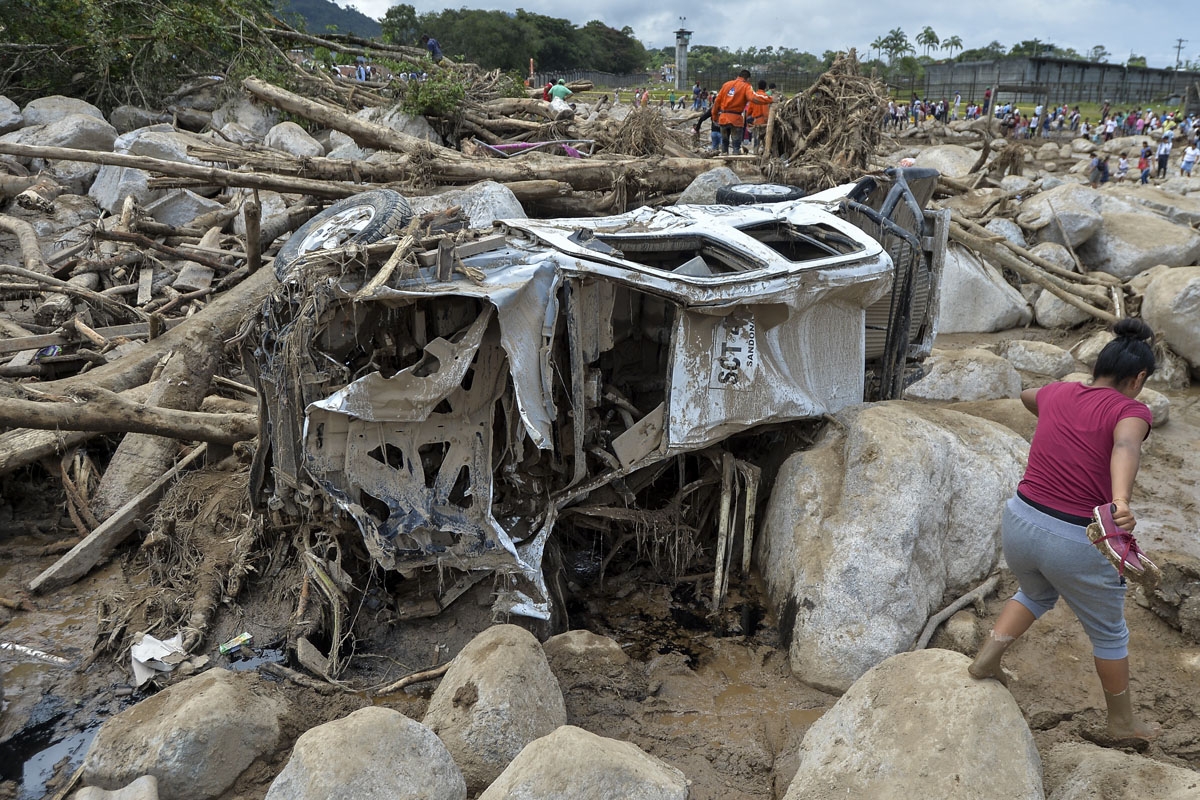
(729, 110)
(1085, 455)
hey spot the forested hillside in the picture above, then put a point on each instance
(319, 15)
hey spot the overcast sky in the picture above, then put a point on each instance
(1146, 27)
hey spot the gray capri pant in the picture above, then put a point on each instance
(1050, 558)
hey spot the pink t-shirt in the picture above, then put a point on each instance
(1072, 447)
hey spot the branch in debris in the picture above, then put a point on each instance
(31, 251)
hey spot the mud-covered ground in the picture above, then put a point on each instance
(713, 696)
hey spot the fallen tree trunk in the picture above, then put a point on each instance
(103, 411)
(210, 175)
(140, 457)
(31, 251)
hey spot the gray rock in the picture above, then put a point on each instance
(271, 206)
(952, 160)
(1049, 166)
(144, 788)
(254, 117)
(1014, 183)
(1088, 349)
(10, 115)
(1077, 208)
(76, 176)
(975, 298)
(1051, 311)
(1050, 182)
(342, 146)
(1083, 771)
(971, 374)
(179, 207)
(1171, 371)
(855, 557)
(1047, 152)
(374, 752)
(572, 763)
(1041, 358)
(239, 134)
(44, 110)
(1056, 254)
(918, 725)
(1170, 205)
(703, 189)
(113, 184)
(130, 118)
(79, 131)
(291, 138)
(195, 737)
(482, 203)
(498, 696)
(1002, 226)
(1171, 304)
(199, 94)
(1082, 145)
(1127, 244)
(401, 122)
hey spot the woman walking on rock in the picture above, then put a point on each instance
(1084, 455)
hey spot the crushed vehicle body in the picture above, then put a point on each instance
(583, 375)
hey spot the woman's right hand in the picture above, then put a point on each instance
(1123, 515)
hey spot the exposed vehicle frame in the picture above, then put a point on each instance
(586, 378)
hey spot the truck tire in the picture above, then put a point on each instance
(744, 194)
(361, 219)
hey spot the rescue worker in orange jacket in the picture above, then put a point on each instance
(757, 109)
(729, 111)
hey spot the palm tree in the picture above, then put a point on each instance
(896, 43)
(928, 39)
(877, 46)
(952, 43)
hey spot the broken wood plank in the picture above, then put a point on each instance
(145, 290)
(114, 530)
(430, 257)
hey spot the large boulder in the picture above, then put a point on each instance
(401, 122)
(970, 374)
(1003, 226)
(1171, 304)
(1171, 205)
(1170, 372)
(44, 110)
(178, 207)
(1056, 254)
(1127, 244)
(975, 298)
(1076, 207)
(113, 184)
(130, 118)
(918, 725)
(864, 533)
(1041, 358)
(10, 115)
(195, 737)
(78, 131)
(257, 118)
(1083, 771)
(594, 673)
(1051, 311)
(703, 188)
(572, 763)
(374, 752)
(482, 203)
(498, 696)
(952, 160)
(294, 140)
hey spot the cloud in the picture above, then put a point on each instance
(1125, 26)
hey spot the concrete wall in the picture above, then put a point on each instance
(1052, 80)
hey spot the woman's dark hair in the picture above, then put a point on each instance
(1131, 352)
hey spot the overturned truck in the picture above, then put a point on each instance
(583, 381)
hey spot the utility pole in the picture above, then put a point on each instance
(1179, 43)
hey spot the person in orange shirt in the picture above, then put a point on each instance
(757, 109)
(729, 111)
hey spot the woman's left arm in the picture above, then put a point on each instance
(1123, 466)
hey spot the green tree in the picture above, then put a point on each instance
(400, 25)
(952, 43)
(928, 39)
(1136, 61)
(896, 44)
(877, 46)
(1098, 53)
(111, 52)
(993, 51)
